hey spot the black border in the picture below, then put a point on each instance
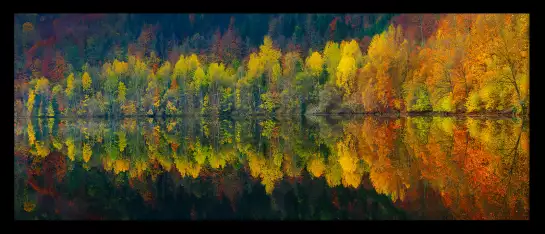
(290, 7)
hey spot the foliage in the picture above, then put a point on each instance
(459, 63)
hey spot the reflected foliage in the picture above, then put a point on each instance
(311, 168)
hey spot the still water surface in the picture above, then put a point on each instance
(317, 168)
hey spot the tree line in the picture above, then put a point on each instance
(471, 63)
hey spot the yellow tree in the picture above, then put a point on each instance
(87, 152)
(269, 59)
(345, 73)
(200, 83)
(314, 64)
(461, 63)
(70, 85)
(316, 166)
(255, 70)
(86, 81)
(497, 57)
(180, 71)
(386, 71)
(31, 101)
(448, 63)
(270, 56)
(290, 67)
(440, 80)
(349, 162)
(510, 50)
(183, 76)
(121, 92)
(332, 57)
(42, 86)
(216, 72)
(120, 67)
(256, 67)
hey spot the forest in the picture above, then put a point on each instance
(270, 64)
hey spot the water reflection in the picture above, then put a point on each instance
(313, 168)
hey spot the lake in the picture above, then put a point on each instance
(312, 168)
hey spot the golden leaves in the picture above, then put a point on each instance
(42, 150)
(525, 142)
(71, 148)
(42, 86)
(347, 159)
(86, 81)
(473, 103)
(268, 53)
(216, 160)
(256, 164)
(464, 168)
(216, 71)
(171, 108)
(122, 140)
(57, 144)
(121, 165)
(289, 63)
(121, 92)
(31, 101)
(181, 68)
(164, 71)
(315, 63)
(28, 26)
(31, 134)
(332, 56)
(276, 72)
(29, 206)
(524, 85)
(200, 78)
(333, 174)
(129, 108)
(70, 85)
(50, 113)
(87, 152)
(120, 67)
(345, 72)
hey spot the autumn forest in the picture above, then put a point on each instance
(94, 65)
(271, 116)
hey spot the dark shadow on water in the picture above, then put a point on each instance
(285, 168)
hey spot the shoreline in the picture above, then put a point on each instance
(375, 114)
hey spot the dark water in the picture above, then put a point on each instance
(317, 168)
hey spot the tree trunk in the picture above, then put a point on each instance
(421, 32)
(258, 97)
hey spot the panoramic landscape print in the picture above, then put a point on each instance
(271, 117)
